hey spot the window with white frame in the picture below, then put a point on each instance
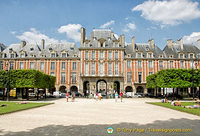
(63, 77)
(150, 55)
(129, 77)
(110, 68)
(110, 55)
(93, 55)
(140, 77)
(1, 65)
(191, 64)
(93, 68)
(128, 64)
(41, 65)
(1, 55)
(73, 78)
(181, 56)
(12, 55)
(171, 63)
(86, 44)
(74, 66)
(63, 65)
(161, 64)
(31, 65)
(116, 55)
(11, 65)
(52, 65)
(101, 55)
(139, 55)
(116, 68)
(21, 65)
(86, 68)
(150, 64)
(53, 55)
(182, 64)
(64, 55)
(86, 55)
(101, 69)
(116, 44)
(139, 64)
(191, 56)
(22, 55)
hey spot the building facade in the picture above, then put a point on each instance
(102, 63)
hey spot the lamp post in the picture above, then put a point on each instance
(8, 83)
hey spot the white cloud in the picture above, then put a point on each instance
(192, 38)
(72, 31)
(13, 32)
(128, 27)
(107, 24)
(33, 36)
(172, 12)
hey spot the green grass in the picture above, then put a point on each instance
(168, 105)
(15, 106)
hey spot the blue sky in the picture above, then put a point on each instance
(60, 20)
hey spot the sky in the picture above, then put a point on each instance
(59, 21)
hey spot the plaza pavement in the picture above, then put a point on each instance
(88, 117)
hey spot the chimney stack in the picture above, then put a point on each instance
(42, 44)
(112, 35)
(23, 43)
(180, 43)
(122, 40)
(169, 43)
(198, 43)
(151, 43)
(82, 36)
(133, 43)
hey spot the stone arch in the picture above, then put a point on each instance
(129, 89)
(140, 89)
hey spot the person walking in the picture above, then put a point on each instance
(99, 96)
(67, 96)
(116, 96)
(73, 96)
(121, 96)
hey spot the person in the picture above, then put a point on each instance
(178, 103)
(73, 96)
(96, 96)
(116, 96)
(99, 96)
(166, 100)
(67, 96)
(87, 93)
(173, 103)
(121, 96)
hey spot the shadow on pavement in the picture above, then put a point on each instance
(101, 130)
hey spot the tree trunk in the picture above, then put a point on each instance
(173, 93)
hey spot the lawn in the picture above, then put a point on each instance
(17, 106)
(168, 105)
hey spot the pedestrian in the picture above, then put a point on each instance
(99, 96)
(67, 96)
(116, 96)
(87, 92)
(121, 96)
(73, 96)
(96, 96)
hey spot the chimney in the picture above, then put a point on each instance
(122, 40)
(198, 43)
(42, 44)
(23, 43)
(133, 43)
(151, 43)
(169, 43)
(112, 35)
(82, 36)
(180, 43)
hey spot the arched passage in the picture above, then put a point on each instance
(73, 89)
(129, 89)
(101, 86)
(86, 86)
(117, 86)
(62, 89)
(140, 89)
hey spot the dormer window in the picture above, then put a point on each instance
(53, 55)
(147, 48)
(86, 44)
(22, 55)
(1, 55)
(128, 55)
(171, 56)
(160, 56)
(50, 49)
(64, 55)
(75, 55)
(191, 56)
(116, 44)
(31, 49)
(150, 55)
(12, 55)
(101, 44)
(139, 55)
(181, 56)
(72, 48)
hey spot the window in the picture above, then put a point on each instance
(161, 64)
(101, 45)
(86, 68)
(109, 68)
(12, 56)
(116, 44)
(1, 64)
(21, 65)
(31, 65)
(128, 64)
(63, 65)
(73, 78)
(101, 69)
(86, 55)
(64, 55)
(150, 55)
(181, 56)
(139, 55)
(93, 68)
(116, 56)
(150, 64)
(150, 73)
(129, 76)
(101, 55)
(11, 65)
(86, 44)
(191, 56)
(52, 65)
(182, 64)
(74, 66)
(22, 55)
(139, 64)
(1, 55)
(41, 65)
(110, 55)
(63, 77)
(93, 55)
(53, 55)
(191, 64)
(171, 64)
(116, 69)
(52, 74)
(140, 77)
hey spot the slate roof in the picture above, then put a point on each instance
(2, 47)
